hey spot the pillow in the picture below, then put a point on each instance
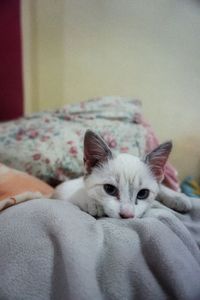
(16, 186)
(49, 145)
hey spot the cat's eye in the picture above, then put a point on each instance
(143, 194)
(110, 190)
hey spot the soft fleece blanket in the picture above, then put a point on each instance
(49, 249)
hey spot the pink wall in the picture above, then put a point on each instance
(11, 88)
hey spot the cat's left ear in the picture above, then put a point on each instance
(157, 159)
(96, 151)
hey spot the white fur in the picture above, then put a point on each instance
(123, 171)
(129, 174)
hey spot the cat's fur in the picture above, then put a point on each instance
(114, 186)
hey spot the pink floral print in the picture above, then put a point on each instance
(49, 145)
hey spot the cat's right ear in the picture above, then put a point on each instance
(96, 151)
(157, 159)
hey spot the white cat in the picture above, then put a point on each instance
(123, 186)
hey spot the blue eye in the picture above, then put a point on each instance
(143, 194)
(110, 190)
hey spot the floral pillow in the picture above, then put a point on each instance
(49, 145)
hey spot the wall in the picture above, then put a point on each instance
(74, 50)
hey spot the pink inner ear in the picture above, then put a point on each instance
(158, 172)
(157, 159)
(96, 150)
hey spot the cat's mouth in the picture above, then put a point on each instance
(126, 215)
(120, 216)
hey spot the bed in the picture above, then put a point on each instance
(50, 249)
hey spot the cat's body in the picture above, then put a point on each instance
(121, 186)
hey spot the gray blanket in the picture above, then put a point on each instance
(50, 249)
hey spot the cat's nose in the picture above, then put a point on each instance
(126, 215)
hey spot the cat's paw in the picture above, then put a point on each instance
(100, 211)
(182, 203)
(95, 209)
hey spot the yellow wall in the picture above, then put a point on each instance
(78, 49)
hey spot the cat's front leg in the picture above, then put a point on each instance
(174, 200)
(95, 209)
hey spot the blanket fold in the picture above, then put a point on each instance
(50, 249)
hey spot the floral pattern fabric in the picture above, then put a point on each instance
(49, 145)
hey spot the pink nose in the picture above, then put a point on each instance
(126, 215)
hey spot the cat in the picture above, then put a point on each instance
(121, 186)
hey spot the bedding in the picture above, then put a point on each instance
(48, 145)
(17, 187)
(52, 250)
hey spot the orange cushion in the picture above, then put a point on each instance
(13, 183)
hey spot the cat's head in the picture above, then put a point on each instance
(124, 185)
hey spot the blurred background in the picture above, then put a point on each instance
(55, 52)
